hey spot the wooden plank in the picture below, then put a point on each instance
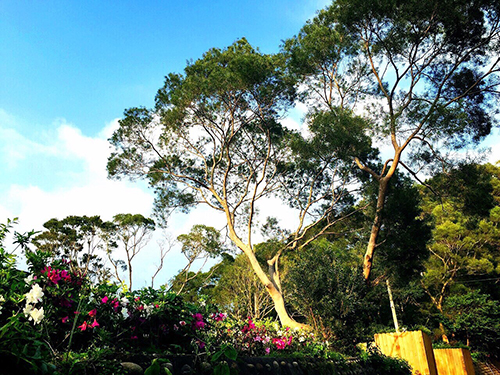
(415, 347)
(456, 361)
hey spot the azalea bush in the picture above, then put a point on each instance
(257, 338)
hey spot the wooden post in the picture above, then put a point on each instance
(393, 307)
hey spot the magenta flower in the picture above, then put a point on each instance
(133, 337)
(182, 323)
(84, 326)
(65, 303)
(65, 275)
(268, 350)
(198, 316)
(198, 325)
(52, 274)
(93, 313)
(104, 300)
(94, 324)
(200, 343)
(65, 319)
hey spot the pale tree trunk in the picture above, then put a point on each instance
(272, 287)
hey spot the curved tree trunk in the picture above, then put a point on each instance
(377, 223)
(272, 287)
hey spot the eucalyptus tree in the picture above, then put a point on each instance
(78, 239)
(423, 73)
(466, 234)
(201, 243)
(215, 138)
(132, 233)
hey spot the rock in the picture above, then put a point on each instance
(250, 366)
(260, 367)
(132, 368)
(186, 369)
(168, 366)
(295, 364)
(205, 366)
(283, 363)
(276, 365)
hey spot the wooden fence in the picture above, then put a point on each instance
(415, 347)
(454, 361)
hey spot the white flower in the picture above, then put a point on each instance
(280, 333)
(1, 298)
(302, 339)
(35, 294)
(29, 279)
(124, 301)
(148, 309)
(27, 310)
(36, 315)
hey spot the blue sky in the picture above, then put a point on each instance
(68, 70)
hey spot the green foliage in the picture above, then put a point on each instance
(377, 363)
(201, 240)
(333, 296)
(156, 368)
(474, 318)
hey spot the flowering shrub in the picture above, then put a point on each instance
(259, 338)
(55, 312)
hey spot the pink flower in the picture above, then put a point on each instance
(251, 325)
(257, 339)
(52, 274)
(248, 327)
(133, 337)
(137, 299)
(104, 300)
(268, 350)
(115, 304)
(140, 307)
(84, 326)
(65, 275)
(198, 325)
(198, 316)
(182, 323)
(200, 343)
(94, 324)
(65, 303)
(198, 322)
(65, 319)
(157, 306)
(218, 317)
(93, 313)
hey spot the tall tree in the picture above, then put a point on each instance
(424, 73)
(214, 138)
(466, 235)
(77, 239)
(133, 232)
(202, 242)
